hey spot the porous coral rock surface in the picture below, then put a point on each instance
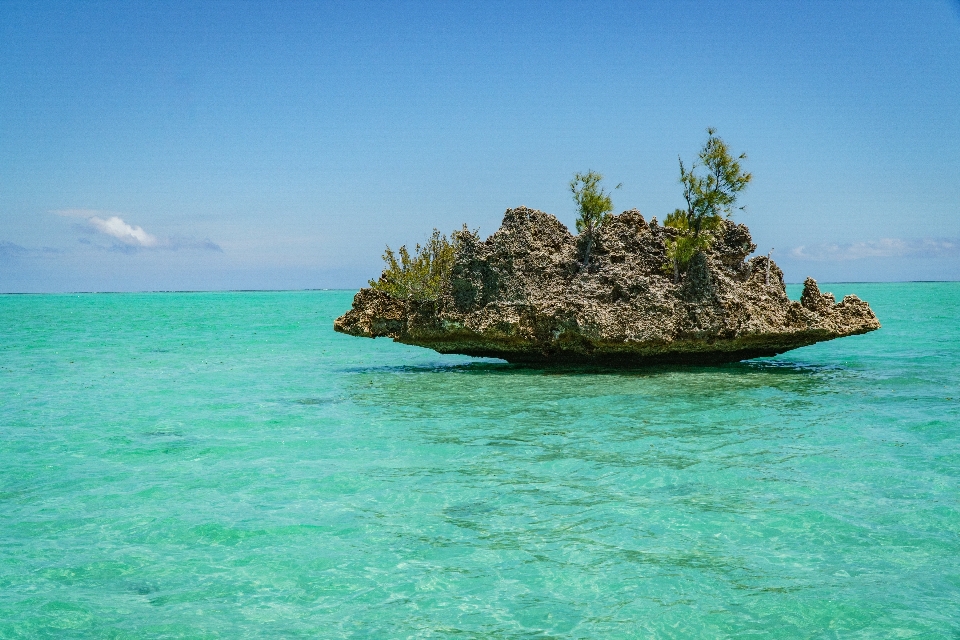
(523, 295)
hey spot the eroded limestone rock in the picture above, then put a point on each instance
(523, 295)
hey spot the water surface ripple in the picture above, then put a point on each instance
(210, 465)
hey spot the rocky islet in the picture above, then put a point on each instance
(524, 295)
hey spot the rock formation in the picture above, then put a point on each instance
(523, 295)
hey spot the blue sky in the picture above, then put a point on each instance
(220, 145)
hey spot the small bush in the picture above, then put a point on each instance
(420, 276)
(710, 188)
(593, 206)
(682, 247)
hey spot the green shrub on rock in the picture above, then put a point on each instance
(710, 188)
(593, 206)
(420, 276)
(686, 243)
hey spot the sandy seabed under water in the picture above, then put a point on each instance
(225, 465)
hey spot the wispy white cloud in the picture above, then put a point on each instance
(883, 248)
(130, 238)
(128, 234)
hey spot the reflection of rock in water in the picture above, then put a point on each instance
(522, 295)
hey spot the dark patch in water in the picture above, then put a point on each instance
(494, 367)
(164, 433)
(313, 402)
(467, 367)
(142, 589)
(467, 510)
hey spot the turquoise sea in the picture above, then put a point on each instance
(224, 465)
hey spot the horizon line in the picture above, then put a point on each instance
(64, 293)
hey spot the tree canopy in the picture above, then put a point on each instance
(710, 189)
(711, 185)
(593, 205)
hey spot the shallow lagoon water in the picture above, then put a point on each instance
(225, 465)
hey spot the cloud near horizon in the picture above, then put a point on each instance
(883, 248)
(132, 238)
(115, 226)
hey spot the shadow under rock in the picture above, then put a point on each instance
(764, 365)
(538, 389)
